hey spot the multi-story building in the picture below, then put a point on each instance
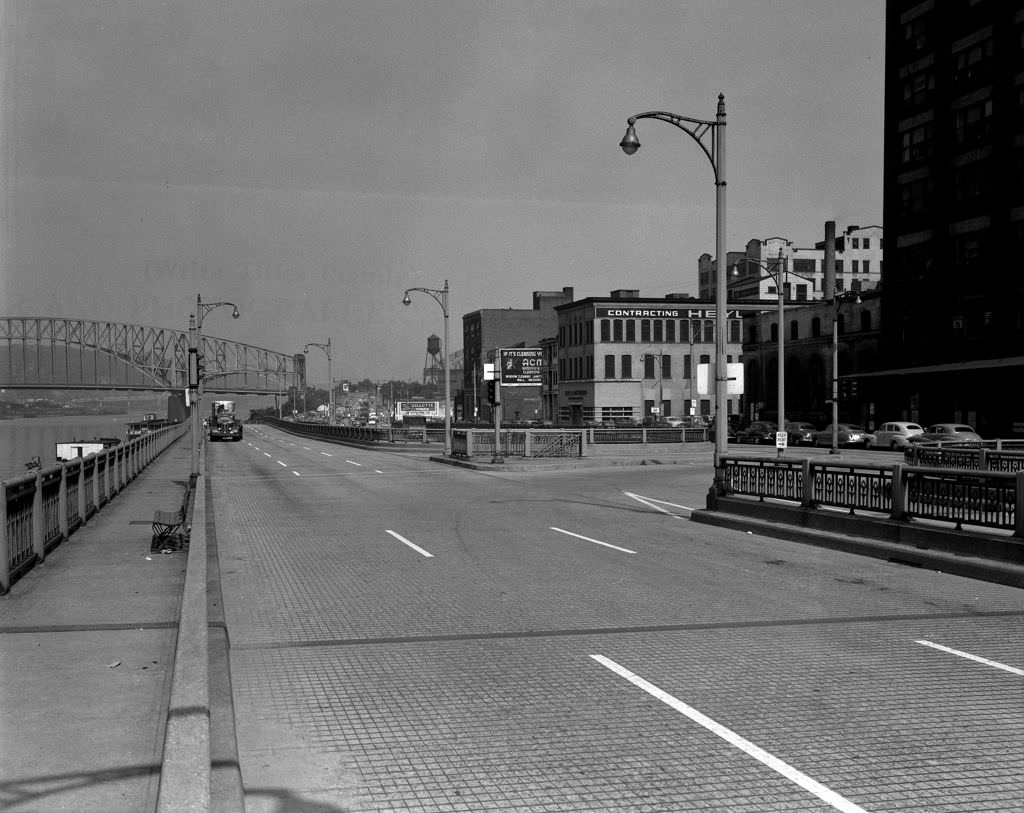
(857, 266)
(490, 329)
(953, 297)
(626, 359)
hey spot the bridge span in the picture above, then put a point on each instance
(56, 353)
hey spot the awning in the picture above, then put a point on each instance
(956, 367)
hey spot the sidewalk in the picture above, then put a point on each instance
(87, 643)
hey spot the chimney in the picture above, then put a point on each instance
(829, 263)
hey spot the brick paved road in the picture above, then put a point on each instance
(408, 636)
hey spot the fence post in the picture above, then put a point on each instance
(899, 492)
(5, 544)
(1018, 506)
(37, 518)
(62, 503)
(528, 436)
(807, 500)
(469, 443)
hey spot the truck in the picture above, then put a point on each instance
(224, 423)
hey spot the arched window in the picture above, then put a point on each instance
(794, 330)
(816, 327)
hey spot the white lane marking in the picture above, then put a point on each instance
(296, 473)
(595, 541)
(326, 454)
(353, 462)
(996, 664)
(307, 448)
(731, 737)
(412, 545)
(282, 464)
(267, 454)
(649, 502)
(377, 471)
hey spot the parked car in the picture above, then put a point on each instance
(896, 435)
(757, 432)
(801, 433)
(948, 432)
(847, 434)
(673, 421)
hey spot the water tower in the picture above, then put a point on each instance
(433, 365)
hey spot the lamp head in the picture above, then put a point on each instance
(630, 143)
(406, 300)
(235, 314)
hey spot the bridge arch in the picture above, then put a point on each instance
(57, 353)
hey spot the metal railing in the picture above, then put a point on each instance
(41, 509)
(531, 443)
(987, 499)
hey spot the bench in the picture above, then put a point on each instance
(167, 531)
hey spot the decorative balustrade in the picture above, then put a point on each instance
(987, 499)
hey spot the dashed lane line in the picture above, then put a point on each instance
(282, 464)
(296, 473)
(326, 454)
(595, 541)
(785, 769)
(412, 545)
(1013, 670)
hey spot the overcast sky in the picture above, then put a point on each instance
(309, 161)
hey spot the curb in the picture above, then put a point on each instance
(956, 564)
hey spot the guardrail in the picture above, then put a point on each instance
(1003, 456)
(41, 509)
(986, 499)
(532, 443)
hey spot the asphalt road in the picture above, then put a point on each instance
(418, 637)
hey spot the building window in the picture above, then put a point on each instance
(627, 366)
(659, 335)
(915, 196)
(735, 331)
(709, 330)
(670, 330)
(839, 266)
(630, 330)
(688, 367)
(918, 143)
(666, 366)
(609, 366)
(816, 327)
(794, 330)
(617, 330)
(867, 243)
(856, 242)
(973, 124)
(973, 66)
(590, 367)
(606, 330)
(918, 88)
(645, 330)
(855, 269)
(649, 366)
(865, 266)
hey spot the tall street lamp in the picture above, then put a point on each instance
(714, 149)
(330, 382)
(195, 329)
(778, 276)
(838, 298)
(441, 297)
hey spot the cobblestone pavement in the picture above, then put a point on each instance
(412, 637)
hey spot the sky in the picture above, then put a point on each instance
(311, 160)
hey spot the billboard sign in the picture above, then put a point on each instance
(520, 366)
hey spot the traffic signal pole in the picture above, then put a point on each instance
(496, 408)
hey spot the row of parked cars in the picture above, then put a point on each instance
(891, 435)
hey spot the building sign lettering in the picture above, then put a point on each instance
(521, 366)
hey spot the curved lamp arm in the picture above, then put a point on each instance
(203, 309)
(630, 143)
(440, 296)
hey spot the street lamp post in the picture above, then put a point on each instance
(441, 297)
(714, 149)
(195, 329)
(779, 276)
(838, 298)
(330, 381)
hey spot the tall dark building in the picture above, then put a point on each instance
(953, 289)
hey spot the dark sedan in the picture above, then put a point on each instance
(757, 432)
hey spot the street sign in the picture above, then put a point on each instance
(520, 366)
(489, 374)
(781, 440)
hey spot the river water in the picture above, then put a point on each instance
(23, 438)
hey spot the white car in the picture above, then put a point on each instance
(896, 435)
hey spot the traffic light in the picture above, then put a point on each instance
(492, 392)
(196, 367)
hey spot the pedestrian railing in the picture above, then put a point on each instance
(41, 509)
(1006, 456)
(531, 443)
(988, 499)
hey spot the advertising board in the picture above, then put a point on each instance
(520, 366)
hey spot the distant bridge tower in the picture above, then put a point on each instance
(433, 366)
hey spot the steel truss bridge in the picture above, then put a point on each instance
(75, 354)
